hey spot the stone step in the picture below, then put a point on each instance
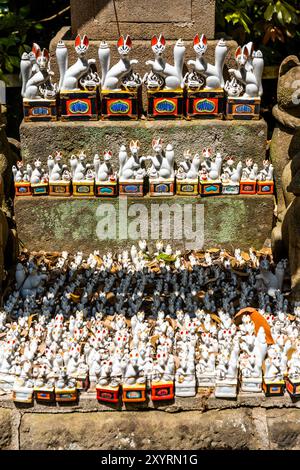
(56, 224)
(240, 139)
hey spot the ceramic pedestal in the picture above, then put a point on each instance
(39, 110)
(230, 188)
(242, 108)
(131, 187)
(248, 187)
(205, 104)
(83, 189)
(63, 395)
(39, 189)
(44, 394)
(23, 189)
(205, 380)
(210, 187)
(185, 388)
(293, 387)
(161, 187)
(249, 384)
(226, 388)
(162, 391)
(135, 393)
(119, 104)
(265, 187)
(273, 388)
(22, 395)
(59, 188)
(187, 187)
(6, 381)
(79, 105)
(107, 393)
(165, 104)
(106, 188)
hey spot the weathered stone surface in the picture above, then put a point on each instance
(5, 429)
(228, 429)
(179, 19)
(56, 224)
(284, 429)
(232, 138)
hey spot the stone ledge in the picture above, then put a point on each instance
(241, 139)
(57, 224)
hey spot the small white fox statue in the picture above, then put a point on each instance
(121, 75)
(164, 75)
(36, 75)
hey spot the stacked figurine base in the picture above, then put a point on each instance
(187, 187)
(265, 187)
(162, 187)
(131, 187)
(107, 393)
(44, 394)
(106, 188)
(293, 387)
(226, 388)
(242, 108)
(248, 187)
(205, 104)
(39, 189)
(59, 188)
(162, 391)
(134, 393)
(210, 187)
(63, 395)
(39, 110)
(250, 384)
(23, 188)
(79, 105)
(120, 104)
(83, 188)
(23, 395)
(230, 188)
(273, 388)
(165, 104)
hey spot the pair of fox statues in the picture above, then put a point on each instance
(165, 83)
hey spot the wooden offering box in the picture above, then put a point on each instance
(265, 187)
(242, 108)
(79, 105)
(23, 188)
(131, 188)
(293, 387)
(134, 393)
(210, 188)
(205, 104)
(248, 187)
(39, 110)
(40, 189)
(120, 104)
(274, 389)
(60, 188)
(106, 189)
(162, 391)
(66, 395)
(44, 394)
(165, 104)
(187, 187)
(83, 189)
(108, 394)
(162, 187)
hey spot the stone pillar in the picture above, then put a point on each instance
(143, 18)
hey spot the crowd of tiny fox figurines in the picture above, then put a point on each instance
(194, 320)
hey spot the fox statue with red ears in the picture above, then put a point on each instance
(36, 74)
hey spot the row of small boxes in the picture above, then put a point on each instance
(166, 104)
(137, 188)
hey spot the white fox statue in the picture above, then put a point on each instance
(36, 75)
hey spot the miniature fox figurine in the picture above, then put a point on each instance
(213, 73)
(250, 68)
(70, 77)
(172, 74)
(37, 75)
(112, 77)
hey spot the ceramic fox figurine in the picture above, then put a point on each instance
(162, 72)
(36, 75)
(130, 167)
(162, 161)
(249, 72)
(120, 75)
(189, 168)
(213, 74)
(71, 77)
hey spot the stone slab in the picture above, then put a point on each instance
(5, 429)
(239, 139)
(56, 224)
(141, 19)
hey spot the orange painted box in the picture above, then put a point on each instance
(162, 391)
(116, 105)
(23, 188)
(293, 387)
(44, 394)
(205, 104)
(108, 394)
(274, 389)
(265, 187)
(135, 393)
(79, 105)
(59, 188)
(247, 187)
(165, 104)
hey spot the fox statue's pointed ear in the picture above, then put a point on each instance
(196, 39)
(162, 39)
(128, 41)
(120, 41)
(36, 49)
(86, 41)
(245, 51)
(77, 40)
(46, 53)
(204, 39)
(154, 40)
(238, 51)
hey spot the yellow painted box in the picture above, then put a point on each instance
(83, 189)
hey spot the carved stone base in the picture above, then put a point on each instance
(162, 187)
(205, 104)
(39, 110)
(162, 391)
(242, 108)
(79, 105)
(120, 104)
(165, 104)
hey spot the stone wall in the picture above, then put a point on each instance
(251, 422)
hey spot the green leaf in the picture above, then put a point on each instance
(269, 12)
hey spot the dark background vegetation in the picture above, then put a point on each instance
(273, 25)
